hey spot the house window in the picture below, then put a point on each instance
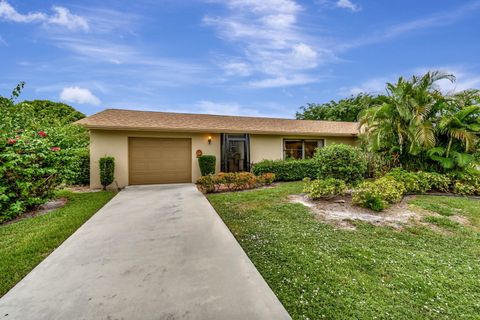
(300, 149)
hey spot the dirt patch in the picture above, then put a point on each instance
(81, 189)
(340, 212)
(41, 210)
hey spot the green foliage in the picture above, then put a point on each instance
(343, 110)
(464, 189)
(410, 180)
(324, 188)
(56, 120)
(377, 195)
(424, 128)
(420, 182)
(287, 170)
(233, 181)
(433, 181)
(341, 161)
(29, 171)
(107, 171)
(207, 164)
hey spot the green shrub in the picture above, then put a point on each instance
(107, 169)
(233, 181)
(325, 188)
(377, 195)
(467, 182)
(464, 189)
(287, 170)
(207, 164)
(434, 181)
(421, 182)
(341, 161)
(410, 180)
(29, 171)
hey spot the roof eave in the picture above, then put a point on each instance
(224, 130)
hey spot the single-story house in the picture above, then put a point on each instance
(160, 147)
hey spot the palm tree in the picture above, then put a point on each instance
(458, 129)
(404, 120)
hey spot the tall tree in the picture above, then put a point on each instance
(341, 110)
(416, 121)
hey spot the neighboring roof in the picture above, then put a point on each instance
(117, 119)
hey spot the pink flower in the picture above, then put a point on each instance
(55, 148)
(11, 141)
(42, 134)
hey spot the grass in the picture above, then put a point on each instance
(448, 206)
(319, 272)
(26, 243)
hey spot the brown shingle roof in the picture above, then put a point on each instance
(116, 119)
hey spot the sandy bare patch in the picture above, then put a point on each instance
(81, 189)
(340, 212)
(41, 210)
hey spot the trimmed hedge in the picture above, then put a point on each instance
(287, 170)
(341, 161)
(107, 169)
(233, 181)
(207, 164)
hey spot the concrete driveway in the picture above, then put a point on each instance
(153, 252)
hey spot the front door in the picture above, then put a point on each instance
(235, 152)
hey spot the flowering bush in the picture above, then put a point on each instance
(39, 149)
(30, 169)
(266, 178)
(233, 181)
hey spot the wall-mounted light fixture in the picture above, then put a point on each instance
(209, 139)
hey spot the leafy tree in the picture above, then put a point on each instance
(418, 123)
(55, 120)
(342, 110)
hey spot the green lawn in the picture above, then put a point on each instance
(26, 243)
(370, 273)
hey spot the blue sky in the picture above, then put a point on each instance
(249, 57)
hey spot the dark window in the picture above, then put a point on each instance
(300, 149)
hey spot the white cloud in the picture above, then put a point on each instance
(377, 85)
(61, 16)
(79, 95)
(283, 81)
(64, 18)
(464, 79)
(272, 47)
(224, 108)
(9, 13)
(3, 42)
(347, 4)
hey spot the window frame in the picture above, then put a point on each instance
(303, 145)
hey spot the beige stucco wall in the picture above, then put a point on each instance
(270, 147)
(115, 144)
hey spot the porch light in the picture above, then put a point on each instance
(209, 139)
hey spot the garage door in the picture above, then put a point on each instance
(155, 160)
